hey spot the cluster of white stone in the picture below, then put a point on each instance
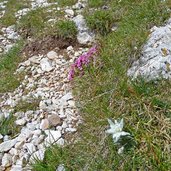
(8, 38)
(2, 8)
(46, 80)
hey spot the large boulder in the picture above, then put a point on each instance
(155, 61)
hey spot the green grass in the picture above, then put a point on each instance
(100, 21)
(35, 25)
(8, 65)
(106, 92)
(63, 3)
(65, 29)
(8, 126)
(24, 106)
(12, 7)
(96, 3)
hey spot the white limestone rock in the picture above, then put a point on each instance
(78, 6)
(155, 61)
(25, 134)
(70, 48)
(39, 155)
(71, 103)
(20, 121)
(33, 125)
(52, 55)
(39, 140)
(80, 23)
(16, 168)
(19, 145)
(60, 168)
(46, 65)
(69, 12)
(67, 97)
(1, 50)
(61, 142)
(30, 147)
(1, 136)
(7, 160)
(71, 129)
(7, 145)
(13, 151)
(44, 124)
(42, 105)
(37, 132)
(34, 59)
(52, 136)
(84, 37)
(6, 138)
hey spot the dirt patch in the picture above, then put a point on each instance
(47, 44)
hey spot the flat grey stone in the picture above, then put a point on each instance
(7, 160)
(52, 55)
(52, 136)
(46, 65)
(7, 145)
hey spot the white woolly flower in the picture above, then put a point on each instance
(116, 130)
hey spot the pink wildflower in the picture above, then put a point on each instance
(82, 61)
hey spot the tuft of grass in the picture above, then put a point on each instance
(8, 126)
(8, 65)
(63, 3)
(100, 21)
(33, 23)
(27, 105)
(96, 3)
(66, 29)
(12, 7)
(53, 155)
(105, 92)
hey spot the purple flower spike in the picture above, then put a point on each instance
(71, 74)
(82, 61)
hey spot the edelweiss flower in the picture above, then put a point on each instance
(116, 130)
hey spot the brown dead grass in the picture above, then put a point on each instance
(44, 45)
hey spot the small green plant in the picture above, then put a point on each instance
(100, 21)
(159, 104)
(8, 126)
(96, 3)
(63, 3)
(33, 23)
(27, 105)
(8, 65)
(66, 29)
(12, 7)
(53, 155)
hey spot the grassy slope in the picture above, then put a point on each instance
(33, 24)
(13, 6)
(9, 61)
(8, 65)
(105, 92)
